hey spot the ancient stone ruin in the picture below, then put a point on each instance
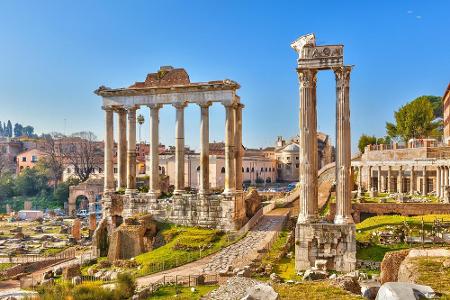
(170, 86)
(315, 239)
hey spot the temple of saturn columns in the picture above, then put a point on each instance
(172, 87)
(331, 243)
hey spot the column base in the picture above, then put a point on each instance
(307, 219)
(131, 191)
(154, 194)
(229, 192)
(342, 220)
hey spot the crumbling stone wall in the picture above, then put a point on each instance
(133, 237)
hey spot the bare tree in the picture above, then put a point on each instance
(84, 153)
(54, 159)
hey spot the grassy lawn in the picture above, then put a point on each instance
(432, 273)
(314, 290)
(365, 230)
(177, 292)
(4, 266)
(182, 245)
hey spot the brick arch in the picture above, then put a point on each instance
(88, 189)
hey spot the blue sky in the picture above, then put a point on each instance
(54, 54)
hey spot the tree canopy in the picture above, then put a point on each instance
(365, 140)
(417, 119)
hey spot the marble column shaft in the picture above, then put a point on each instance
(389, 179)
(412, 181)
(131, 152)
(424, 182)
(109, 145)
(379, 179)
(369, 179)
(122, 148)
(179, 147)
(154, 188)
(343, 145)
(204, 148)
(400, 180)
(230, 166)
(438, 182)
(308, 146)
(445, 181)
(238, 142)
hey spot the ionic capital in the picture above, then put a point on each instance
(179, 105)
(108, 108)
(307, 77)
(205, 104)
(154, 106)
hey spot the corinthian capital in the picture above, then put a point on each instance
(342, 75)
(307, 77)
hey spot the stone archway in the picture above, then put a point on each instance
(91, 189)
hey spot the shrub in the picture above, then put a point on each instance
(126, 285)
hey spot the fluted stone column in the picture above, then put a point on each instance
(179, 148)
(109, 145)
(238, 143)
(424, 182)
(131, 157)
(400, 180)
(122, 148)
(411, 181)
(154, 188)
(343, 145)
(379, 179)
(389, 179)
(369, 179)
(230, 166)
(445, 180)
(360, 181)
(438, 182)
(204, 148)
(308, 146)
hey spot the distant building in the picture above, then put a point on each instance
(9, 149)
(28, 159)
(287, 156)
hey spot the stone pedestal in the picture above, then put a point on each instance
(334, 243)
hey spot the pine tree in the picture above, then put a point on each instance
(1, 129)
(9, 129)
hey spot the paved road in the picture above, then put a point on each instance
(237, 255)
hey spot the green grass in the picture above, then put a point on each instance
(377, 252)
(52, 251)
(183, 245)
(432, 273)
(176, 292)
(367, 199)
(4, 266)
(319, 290)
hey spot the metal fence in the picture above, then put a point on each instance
(29, 258)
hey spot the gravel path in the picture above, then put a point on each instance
(236, 255)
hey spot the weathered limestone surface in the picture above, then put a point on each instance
(133, 237)
(331, 242)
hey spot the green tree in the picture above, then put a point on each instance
(31, 182)
(18, 130)
(415, 119)
(28, 131)
(365, 140)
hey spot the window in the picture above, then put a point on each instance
(115, 170)
(296, 157)
(297, 165)
(223, 170)
(288, 158)
(34, 158)
(24, 158)
(248, 169)
(198, 169)
(265, 169)
(253, 170)
(242, 169)
(69, 171)
(262, 169)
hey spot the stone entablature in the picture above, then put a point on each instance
(406, 154)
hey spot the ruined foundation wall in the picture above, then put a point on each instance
(325, 241)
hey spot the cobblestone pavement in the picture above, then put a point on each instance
(236, 255)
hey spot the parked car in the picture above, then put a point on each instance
(83, 213)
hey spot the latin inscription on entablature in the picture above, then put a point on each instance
(321, 57)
